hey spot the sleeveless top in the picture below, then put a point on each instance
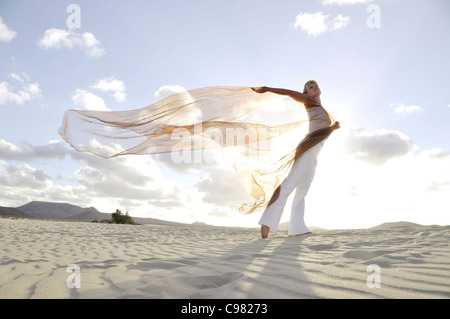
(318, 118)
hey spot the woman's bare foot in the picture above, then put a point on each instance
(264, 231)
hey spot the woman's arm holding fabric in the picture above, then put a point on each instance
(297, 96)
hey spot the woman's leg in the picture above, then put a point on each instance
(297, 224)
(300, 168)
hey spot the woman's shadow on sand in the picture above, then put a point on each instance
(256, 268)
(260, 268)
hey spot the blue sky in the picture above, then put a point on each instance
(382, 67)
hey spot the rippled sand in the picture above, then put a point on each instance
(150, 261)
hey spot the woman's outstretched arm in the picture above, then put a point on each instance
(297, 96)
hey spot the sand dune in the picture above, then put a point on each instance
(154, 261)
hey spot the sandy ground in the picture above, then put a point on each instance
(56, 259)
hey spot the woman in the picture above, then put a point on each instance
(303, 169)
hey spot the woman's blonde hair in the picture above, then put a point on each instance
(308, 83)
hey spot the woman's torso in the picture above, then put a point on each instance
(318, 118)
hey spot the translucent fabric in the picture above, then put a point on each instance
(258, 134)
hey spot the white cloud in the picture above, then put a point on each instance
(437, 153)
(53, 151)
(312, 23)
(166, 91)
(112, 84)
(88, 100)
(126, 178)
(339, 22)
(23, 177)
(6, 34)
(93, 102)
(58, 39)
(403, 109)
(28, 90)
(318, 23)
(345, 2)
(377, 147)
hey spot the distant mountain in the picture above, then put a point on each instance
(199, 224)
(12, 212)
(390, 225)
(64, 211)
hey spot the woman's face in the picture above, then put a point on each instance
(312, 89)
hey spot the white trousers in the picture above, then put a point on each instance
(299, 178)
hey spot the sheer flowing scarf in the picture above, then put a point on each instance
(258, 134)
